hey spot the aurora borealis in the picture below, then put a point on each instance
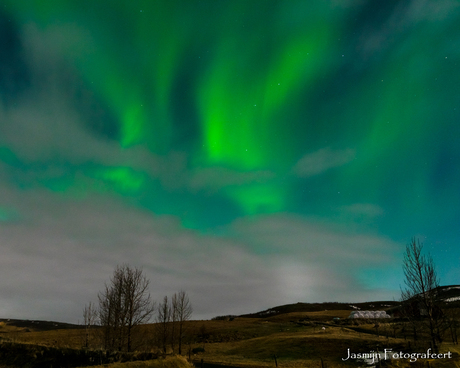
(253, 153)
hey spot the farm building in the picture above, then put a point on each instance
(368, 314)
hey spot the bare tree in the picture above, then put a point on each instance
(174, 321)
(184, 313)
(123, 305)
(452, 318)
(89, 319)
(163, 319)
(171, 318)
(111, 313)
(138, 306)
(421, 282)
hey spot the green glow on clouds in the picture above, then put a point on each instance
(5, 214)
(259, 85)
(122, 179)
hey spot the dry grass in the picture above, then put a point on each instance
(7, 329)
(169, 362)
(253, 343)
(54, 338)
(294, 349)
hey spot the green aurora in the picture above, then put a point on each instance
(340, 111)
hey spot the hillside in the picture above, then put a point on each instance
(35, 325)
(318, 307)
(298, 335)
(448, 295)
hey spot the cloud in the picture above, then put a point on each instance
(322, 160)
(49, 123)
(213, 179)
(422, 10)
(379, 37)
(64, 250)
(368, 210)
(44, 123)
(328, 255)
(58, 255)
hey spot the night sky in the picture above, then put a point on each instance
(253, 153)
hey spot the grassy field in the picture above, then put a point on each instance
(298, 339)
(168, 362)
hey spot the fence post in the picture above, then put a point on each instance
(276, 362)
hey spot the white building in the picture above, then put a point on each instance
(369, 314)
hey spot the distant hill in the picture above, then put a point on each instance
(450, 295)
(318, 307)
(447, 296)
(34, 325)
